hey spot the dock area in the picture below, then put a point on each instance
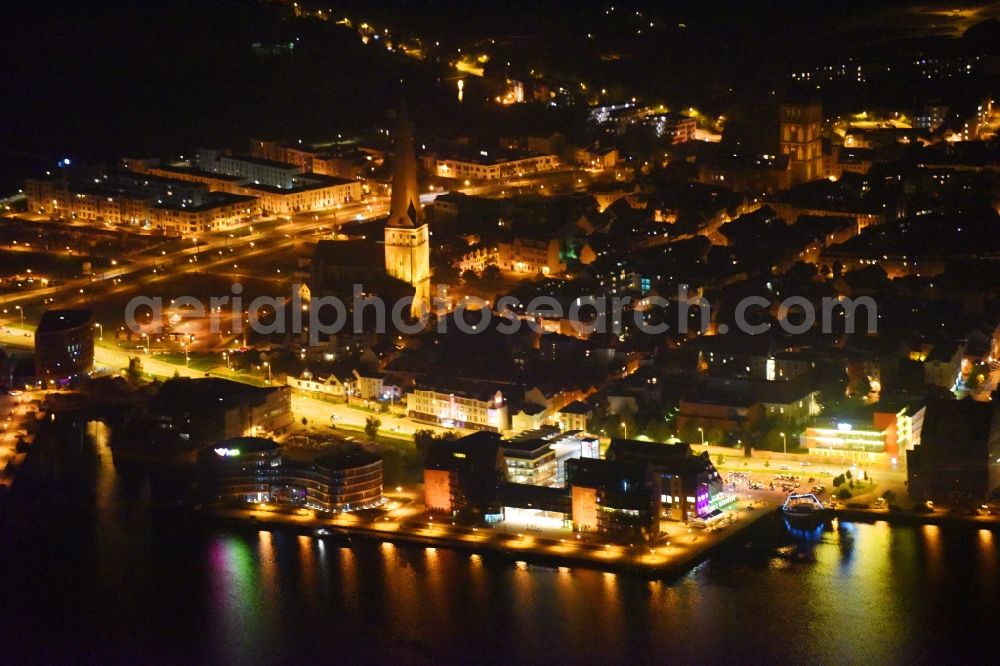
(679, 549)
(19, 414)
(934, 517)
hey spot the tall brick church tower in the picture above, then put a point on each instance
(407, 238)
(802, 140)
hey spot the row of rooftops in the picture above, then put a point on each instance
(336, 458)
(490, 157)
(482, 450)
(181, 194)
(196, 395)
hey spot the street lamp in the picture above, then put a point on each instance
(100, 326)
(784, 443)
(20, 310)
(624, 430)
(185, 346)
(268, 366)
(225, 357)
(702, 433)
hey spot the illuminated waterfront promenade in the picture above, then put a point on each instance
(674, 553)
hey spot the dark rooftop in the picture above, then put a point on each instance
(245, 445)
(479, 449)
(62, 320)
(577, 407)
(347, 458)
(361, 253)
(605, 474)
(202, 393)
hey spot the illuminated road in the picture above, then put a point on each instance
(317, 412)
(229, 242)
(299, 225)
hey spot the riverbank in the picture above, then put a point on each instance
(668, 558)
(913, 518)
(21, 417)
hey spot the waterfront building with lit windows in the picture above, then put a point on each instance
(687, 481)
(957, 460)
(530, 460)
(64, 345)
(844, 440)
(887, 437)
(463, 476)
(342, 479)
(618, 499)
(255, 470)
(240, 469)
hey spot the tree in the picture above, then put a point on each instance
(721, 460)
(889, 495)
(977, 376)
(848, 475)
(469, 276)
(858, 385)
(844, 494)
(491, 274)
(134, 370)
(772, 440)
(372, 425)
(838, 480)
(446, 274)
(657, 429)
(305, 421)
(424, 439)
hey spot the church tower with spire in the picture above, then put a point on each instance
(407, 238)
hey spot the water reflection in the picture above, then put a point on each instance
(932, 551)
(235, 592)
(872, 593)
